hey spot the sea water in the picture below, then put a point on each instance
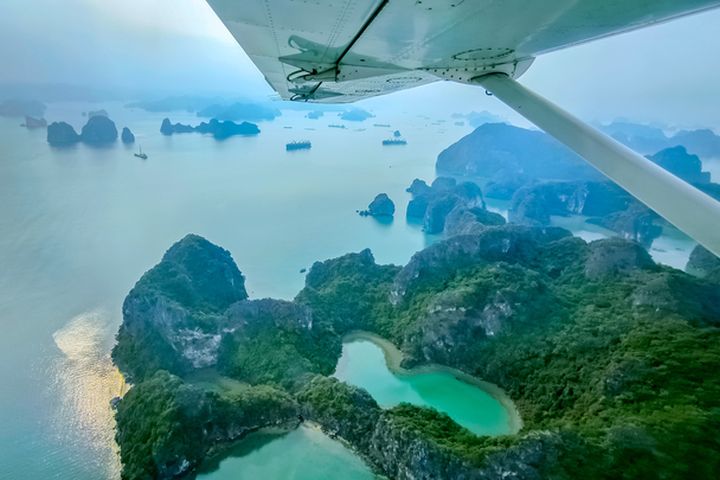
(80, 225)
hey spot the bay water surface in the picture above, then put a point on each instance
(80, 225)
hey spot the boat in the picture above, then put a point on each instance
(298, 145)
(140, 154)
(394, 141)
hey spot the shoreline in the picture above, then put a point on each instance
(393, 359)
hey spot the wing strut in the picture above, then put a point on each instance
(686, 207)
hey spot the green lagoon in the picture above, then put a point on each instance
(366, 361)
(302, 454)
(482, 409)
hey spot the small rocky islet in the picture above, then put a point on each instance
(605, 353)
(449, 207)
(220, 130)
(98, 131)
(381, 207)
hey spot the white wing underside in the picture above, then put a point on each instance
(338, 51)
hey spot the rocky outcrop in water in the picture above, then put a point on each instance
(99, 131)
(381, 206)
(418, 187)
(222, 130)
(127, 136)
(218, 129)
(168, 128)
(61, 134)
(434, 203)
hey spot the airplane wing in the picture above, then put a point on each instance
(337, 51)
(345, 50)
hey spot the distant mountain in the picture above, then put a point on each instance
(22, 108)
(648, 139)
(496, 147)
(475, 119)
(679, 162)
(59, 92)
(247, 111)
(703, 142)
(641, 138)
(183, 103)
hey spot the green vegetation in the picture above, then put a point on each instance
(166, 427)
(609, 357)
(439, 429)
(613, 354)
(343, 410)
(198, 275)
(349, 292)
(189, 289)
(279, 357)
(276, 342)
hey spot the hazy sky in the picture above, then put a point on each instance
(669, 73)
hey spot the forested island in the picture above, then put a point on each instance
(607, 355)
(543, 178)
(220, 130)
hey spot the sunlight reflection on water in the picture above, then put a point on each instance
(86, 381)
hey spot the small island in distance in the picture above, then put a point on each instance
(220, 130)
(298, 145)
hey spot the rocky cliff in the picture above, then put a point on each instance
(166, 427)
(173, 317)
(99, 130)
(61, 134)
(433, 203)
(127, 136)
(604, 203)
(381, 206)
